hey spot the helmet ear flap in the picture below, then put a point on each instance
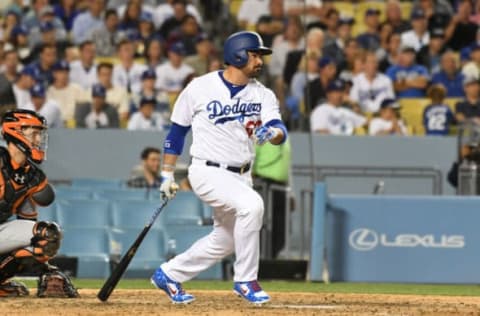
(241, 58)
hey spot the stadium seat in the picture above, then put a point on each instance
(345, 8)
(412, 111)
(406, 7)
(95, 183)
(135, 214)
(185, 208)
(149, 256)
(185, 236)
(81, 193)
(362, 7)
(90, 246)
(84, 213)
(121, 194)
(48, 213)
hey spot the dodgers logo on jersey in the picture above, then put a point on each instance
(222, 113)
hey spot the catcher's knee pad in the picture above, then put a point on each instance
(46, 240)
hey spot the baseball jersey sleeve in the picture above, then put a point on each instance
(319, 119)
(184, 107)
(271, 109)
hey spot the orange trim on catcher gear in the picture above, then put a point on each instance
(39, 187)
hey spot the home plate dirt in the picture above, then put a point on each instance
(153, 302)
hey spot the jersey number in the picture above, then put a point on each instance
(251, 126)
(437, 123)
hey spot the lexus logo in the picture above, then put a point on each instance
(363, 239)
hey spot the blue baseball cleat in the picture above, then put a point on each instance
(173, 289)
(251, 291)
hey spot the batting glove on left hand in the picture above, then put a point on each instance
(264, 134)
(168, 187)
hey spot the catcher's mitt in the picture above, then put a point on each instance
(56, 284)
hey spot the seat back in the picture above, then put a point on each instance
(84, 213)
(135, 214)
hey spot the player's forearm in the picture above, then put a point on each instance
(169, 162)
(279, 137)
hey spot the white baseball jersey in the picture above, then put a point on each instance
(128, 78)
(222, 125)
(336, 120)
(379, 124)
(172, 79)
(369, 95)
(86, 78)
(50, 110)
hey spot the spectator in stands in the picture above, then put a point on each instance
(66, 11)
(315, 91)
(166, 10)
(370, 39)
(7, 79)
(116, 96)
(385, 30)
(250, 12)
(84, 71)
(352, 52)
(393, 16)
(331, 118)
(335, 49)
(272, 23)
(172, 74)
(49, 109)
(10, 21)
(471, 68)
(48, 36)
(146, 31)
(127, 72)
(47, 17)
(98, 113)
(437, 116)
(21, 88)
(146, 6)
(66, 94)
(434, 7)
(449, 76)
(409, 79)
(311, 11)
(370, 87)
(147, 174)
(332, 18)
(392, 51)
(419, 35)
(387, 122)
(86, 22)
(173, 23)
(106, 36)
(189, 31)
(154, 52)
(19, 40)
(149, 91)
(147, 119)
(43, 67)
(131, 17)
(10, 66)
(204, 50)
(461, 31)
(430, 55)
(467, 50)
(470, 108)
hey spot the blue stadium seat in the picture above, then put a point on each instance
(121, 194)
(84, 213)
(90, 246)
(64, 192)
(185, 236)
(185, 208)
(48, 213)
(135, 214)
(95, 183)
(149, 256)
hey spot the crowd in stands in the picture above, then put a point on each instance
(338, 67)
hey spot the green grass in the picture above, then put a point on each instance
(284, 286)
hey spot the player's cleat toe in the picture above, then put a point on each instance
(173, 289)
(252, 292)
(13, 289)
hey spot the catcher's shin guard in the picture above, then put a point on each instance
(13, 289)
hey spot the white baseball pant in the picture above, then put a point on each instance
(15, 234)
(238, 213)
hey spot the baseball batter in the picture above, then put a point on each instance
(25, 244)
(227, 111)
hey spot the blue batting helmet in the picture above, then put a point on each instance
(238, 44)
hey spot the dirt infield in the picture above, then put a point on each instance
(153, 302)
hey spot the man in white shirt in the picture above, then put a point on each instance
(370, 87)
(117, 96)
(65, 93)
(419, 35)
(21, 88)
(146, 119)
(127, 73)
(387, 122)
(47, 108)
(331, 118)
(84, 71)
(171, 75)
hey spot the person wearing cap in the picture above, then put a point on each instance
(66, 11)
(116, 96)
(273, 23)
(370, 40)
(469, 109)
(127, 72)
(7, 79)
(330, 25)
(172, 74)
(370, 88)
(98, 113)
(203, 53)
(331, 118)
(48, 36)
(335, 49)
(430, 55)
(19, 40)
(43, 65)
(387, 122)
(461, 31)
(147, 119)
(315, 91)
(409, 79)
(84, 70)
(149, 91)
(49, 109)
(46, 15)
(67, 94)
(393, 16)
(21, 88)
(87, 21)
(106, 36)
(418, 36)
(450, 76)
(146, 30)
(437, 116)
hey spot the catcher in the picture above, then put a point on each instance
(26, 244)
